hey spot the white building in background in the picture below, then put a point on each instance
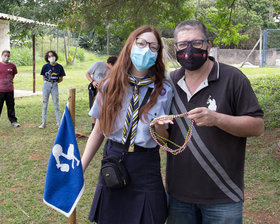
(4, 35)
(5, 28)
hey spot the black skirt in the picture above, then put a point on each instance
(143, 201)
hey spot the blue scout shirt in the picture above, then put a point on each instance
(52, 73)
(143, 137)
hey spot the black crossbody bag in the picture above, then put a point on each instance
(113, 170)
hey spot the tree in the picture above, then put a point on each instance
(230, 22)
(47, 11)
(234, 23)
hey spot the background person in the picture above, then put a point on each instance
(8, 71)
(205, 182)
(52, 73)
(138, 69)
(95, 74)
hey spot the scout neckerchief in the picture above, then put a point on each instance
(133, 109)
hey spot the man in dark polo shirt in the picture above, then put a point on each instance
(205, 182)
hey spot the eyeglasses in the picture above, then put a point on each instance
(195, 43)
(141, 43)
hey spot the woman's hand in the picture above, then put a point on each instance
(160, 125)
(157, 122)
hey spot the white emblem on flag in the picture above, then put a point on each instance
(58, 151)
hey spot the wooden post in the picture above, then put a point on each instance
(34, 71)
(72, 96)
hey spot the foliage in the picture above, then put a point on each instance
(232, 23)
(273, 37)
(276, 6)
(121, 19)
(48, 11)
(80, 54)
(49, 42)
(267, 90)
(97, 43)
(21, 56)
(257, 16)
(219, 18)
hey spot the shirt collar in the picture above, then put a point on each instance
(215, 71)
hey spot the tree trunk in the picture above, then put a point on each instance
(76, 48)
(50, 38)
(43, 55)
(108, 40)
(65, 48)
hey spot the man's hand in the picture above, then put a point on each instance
(203, 116)
(241, 126)
(95, 84)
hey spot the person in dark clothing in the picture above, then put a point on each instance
(8, 71)
(205, 182)
(52, 73)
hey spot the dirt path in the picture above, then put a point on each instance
(24, 93)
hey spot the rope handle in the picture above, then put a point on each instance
(162, 142)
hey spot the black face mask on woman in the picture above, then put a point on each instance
(191, 58)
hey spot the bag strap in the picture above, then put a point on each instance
(147, 96)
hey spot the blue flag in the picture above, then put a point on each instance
(64, 180)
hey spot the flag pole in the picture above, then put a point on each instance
(72, 96)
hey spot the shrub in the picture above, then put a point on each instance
(61, 57)
(21, 56)
(80, 54)
(267, 89)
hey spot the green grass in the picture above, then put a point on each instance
(25, 151)
(260, 72)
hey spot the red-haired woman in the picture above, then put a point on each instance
(139, 68)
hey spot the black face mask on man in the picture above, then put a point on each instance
(191, 58)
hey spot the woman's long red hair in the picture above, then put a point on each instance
(115, 84)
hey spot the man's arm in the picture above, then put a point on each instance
(89, 77)
(241, 126)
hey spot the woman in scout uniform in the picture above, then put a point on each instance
(124, 119)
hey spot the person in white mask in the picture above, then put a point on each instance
(8, 71)
(52, 73)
